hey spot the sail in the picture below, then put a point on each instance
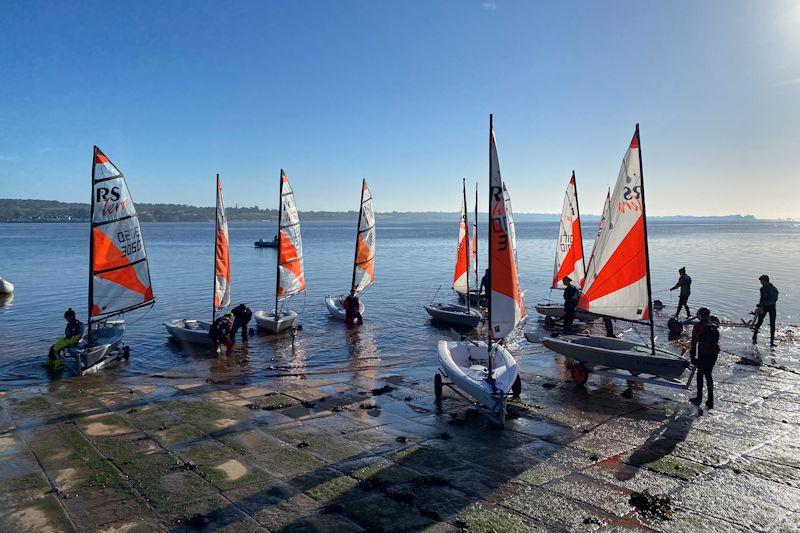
(291, 279)
(603, 218)
(569, 248)
(461, 275)
(222, 259)
(512, 228)
(616, 281)
(364, 264)
(506, 303)
(474, 241)
(120, 275)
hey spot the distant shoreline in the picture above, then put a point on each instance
(51, 211)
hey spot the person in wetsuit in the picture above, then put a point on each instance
(241, 318)
(72, 334)
(352, 313)
(486, 283)
(766, 306)
(685, 285)
(571, 297)
(220, 333)
(704, 351)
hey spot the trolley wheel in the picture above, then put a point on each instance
(437, 386)
(516, 388)
(126, 352)
(549, 322)
(580, 374)
(634, 373)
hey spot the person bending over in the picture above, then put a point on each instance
(220, 333)
(241, 318)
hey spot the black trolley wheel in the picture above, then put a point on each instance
(437, 386)
(549, 321)
(516, 388)
(580, 374)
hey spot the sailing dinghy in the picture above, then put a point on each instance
(196, 331)
(569, 255)
(464, 316)
(6, 287)
(119, 275)
(290, 279)
(618, 286)
(486, 372)
(475, 296)
(364, 259)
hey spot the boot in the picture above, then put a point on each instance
(695, 401)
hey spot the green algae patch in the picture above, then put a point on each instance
(273, 401)
(151, 418)
(339, 488)
(173, 436)
(33, 406)
(221, 466)
(44, 515)
(103, 425)
(206, 416)
(378, 512)
(23, 489)
(481, 518)
(290, 461)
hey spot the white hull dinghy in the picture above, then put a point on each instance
(197, 331)
(6, 287)
(618, 286)
(456, 315)
(463, 316)
(290, 278)
(119, 273)
(364, 258)
(557, 311)
(285, 320)
(486, 371)
(336, 309)
(465, 364)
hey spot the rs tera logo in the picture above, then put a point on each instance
(103, 194)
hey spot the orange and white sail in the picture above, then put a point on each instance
(222, 259)
(617, 277)
(120, 275)
(461, 274)
(364, 263)
(603, 218)
(569, 248)
(507, 307)
(291, 279)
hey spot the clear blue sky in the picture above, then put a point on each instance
(400, 92)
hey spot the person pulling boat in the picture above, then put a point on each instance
(352, 312)
(72, 334)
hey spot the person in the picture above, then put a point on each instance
(766, 306)
(609, 324)
(571, 297)
(72, 334)
(486, 283)
(352, 312)
(220, 333)
(704, 351)
(241, 318)
(685, 285)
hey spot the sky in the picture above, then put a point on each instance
(400, 93)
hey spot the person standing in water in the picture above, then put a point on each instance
(352, 313)
(571, 297)
(241, 318)
(220, 333)
(704, 351)
(685, 285)
(486, 283)
(72, 334)
(766, 305)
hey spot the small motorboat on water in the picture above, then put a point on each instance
(261, 243)
(486, 372)
(6, 287)
(290, 278)
(364, 259)
(119, 273)
(463, 316)
(336, 308)
(196, 331)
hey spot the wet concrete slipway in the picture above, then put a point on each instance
(369, 449)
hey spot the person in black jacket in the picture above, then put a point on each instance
(685, 285)
(220, 333)
(241, 318)
(766, 306)
(704, 351)
(571, 297)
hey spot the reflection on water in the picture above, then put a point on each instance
(47, 264)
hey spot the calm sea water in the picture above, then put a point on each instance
(48, 265)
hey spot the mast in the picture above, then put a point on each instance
(280, 238)
(646, 251)
(214, 264)
(578, 209)
(466, 231)
(489, 295)
(91, 254)
(358, 229)
(477, 271)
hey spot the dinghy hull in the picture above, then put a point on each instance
(618, 353)
(336, 309)
(266, 320)
(193, 331)
(6, 287)
(457, 315)
(106, 348)
(557, 311)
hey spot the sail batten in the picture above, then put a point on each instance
(119, 271)
(364, 259)
(569, 247)
(506, 306)
(617, 277)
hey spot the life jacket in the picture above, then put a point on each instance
(73, 328)
(708, 340)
